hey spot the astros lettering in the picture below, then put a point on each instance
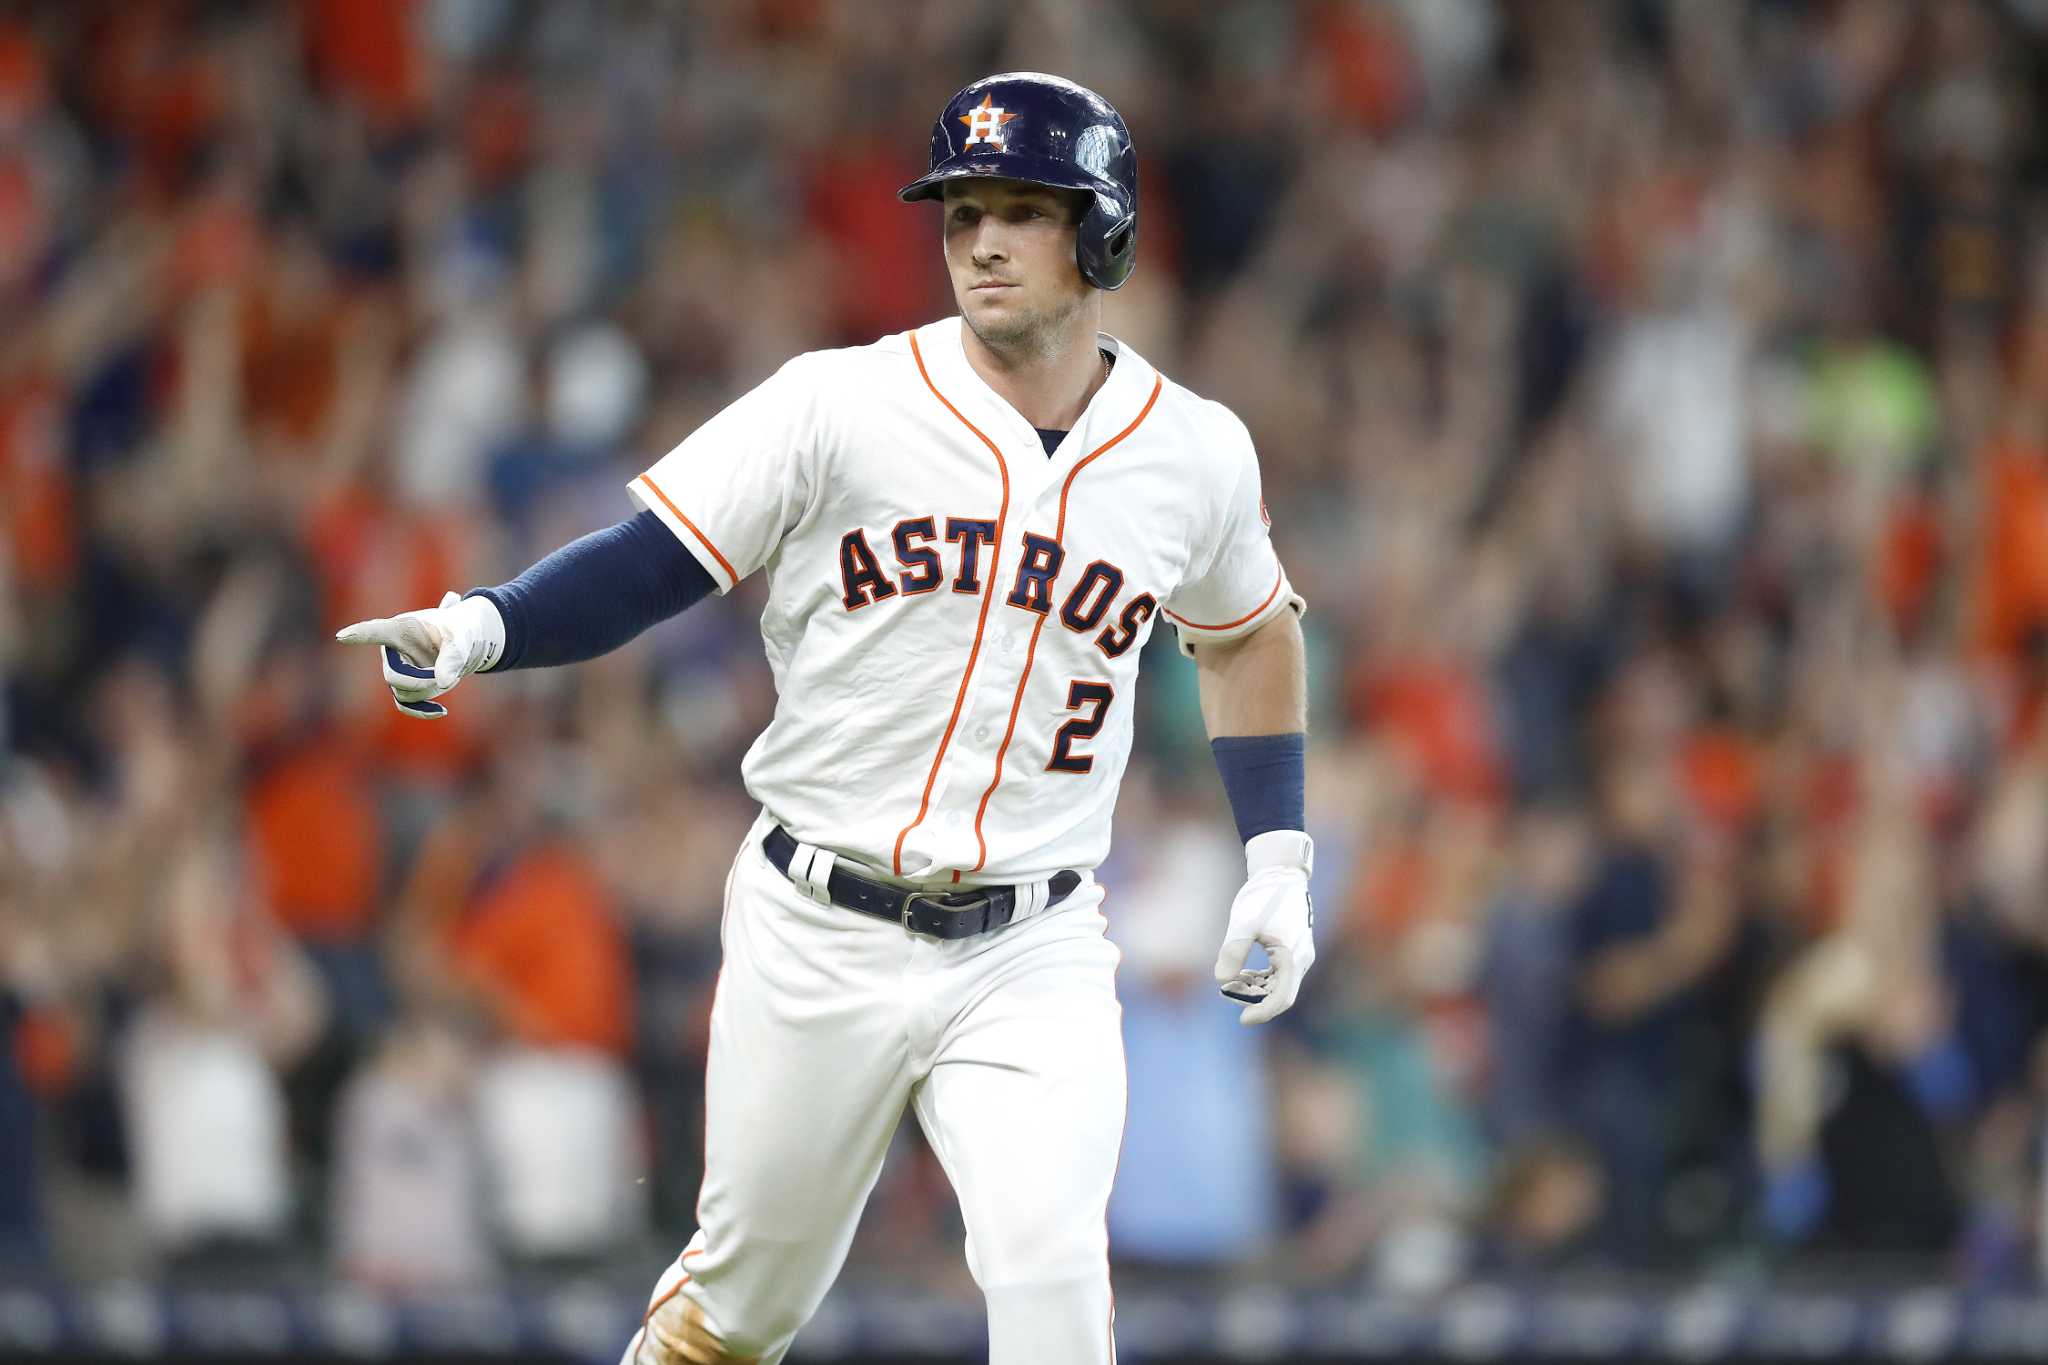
(1088, 601)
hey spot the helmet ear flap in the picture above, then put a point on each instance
(1107, 244)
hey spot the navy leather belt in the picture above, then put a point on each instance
(941, 914)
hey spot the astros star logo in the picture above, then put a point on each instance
(985, 123)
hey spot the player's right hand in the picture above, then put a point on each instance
(426, 653)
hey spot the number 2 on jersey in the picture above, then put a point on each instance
(1096, 696)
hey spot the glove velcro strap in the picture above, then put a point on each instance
(482, 629)
(1288, 849)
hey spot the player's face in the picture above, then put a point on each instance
(1010, 251)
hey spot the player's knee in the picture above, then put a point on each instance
(1051, 1308)
(1043, 1255)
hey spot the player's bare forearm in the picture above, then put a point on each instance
(1255, 685)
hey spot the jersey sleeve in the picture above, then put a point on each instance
(737, 484)
(1237, 583)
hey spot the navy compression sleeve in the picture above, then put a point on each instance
(594, 594)
(1265, 777)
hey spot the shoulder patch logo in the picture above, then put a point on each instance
(985, 123)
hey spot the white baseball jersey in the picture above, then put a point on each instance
(954, 620)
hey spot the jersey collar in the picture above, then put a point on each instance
(1113, 407)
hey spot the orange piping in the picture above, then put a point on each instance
(723, 562)
(1242, 619)
(988, 593)
(1059, 533)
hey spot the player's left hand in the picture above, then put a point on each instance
(1273, 910)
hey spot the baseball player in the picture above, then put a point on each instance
(969, 531)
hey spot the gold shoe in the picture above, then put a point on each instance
(675, 1330)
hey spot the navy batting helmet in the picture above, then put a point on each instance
(1024, 125)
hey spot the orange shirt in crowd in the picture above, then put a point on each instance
(162, 96)
(1909, 560)
(38, 516)
(24, 75)
(1439, 717)
(290, 365)
(49, 1050)
(368, 51)
(1720, 772)
(316, 841)
(2013, 594)
(543, 941)
(1361, 55)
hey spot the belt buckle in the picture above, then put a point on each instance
(934, 899)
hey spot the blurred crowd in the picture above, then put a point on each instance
(1653, 403)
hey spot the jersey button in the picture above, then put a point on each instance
(981, 732)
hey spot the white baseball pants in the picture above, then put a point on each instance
(825, 1023)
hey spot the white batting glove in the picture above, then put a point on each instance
(1272, 910)
(427, 652)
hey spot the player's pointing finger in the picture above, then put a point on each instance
(373, 632)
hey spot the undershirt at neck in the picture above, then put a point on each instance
(1051, 439)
